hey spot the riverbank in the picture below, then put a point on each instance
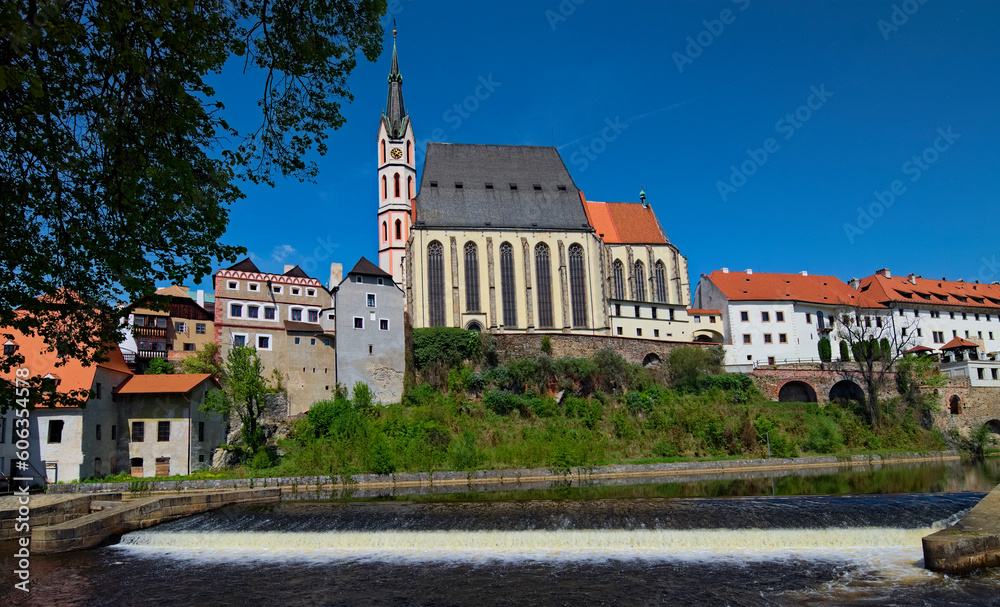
(362, 485)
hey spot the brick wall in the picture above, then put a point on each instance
(512, 346)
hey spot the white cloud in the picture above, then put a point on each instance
(282, 252)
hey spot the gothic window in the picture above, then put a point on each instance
(619, 278)
(409, 187)
(640, 282)
(399, 230)
(395, 183)
(383, 151)
(385, 232)
(435, 283)
(471, 277)
(578, 286)
(385, 188)
(543, 273)
(408, 144)
(507, 285)
(660, 280)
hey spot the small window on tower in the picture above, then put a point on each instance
(489, 186)
(561, 188)
(434, 184)
(458, 185)
(537, 187)
(513, 186)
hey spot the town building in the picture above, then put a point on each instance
(770, 318)
(174, 330)
(289, 318)
(370, 331)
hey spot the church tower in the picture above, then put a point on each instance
(397, 177)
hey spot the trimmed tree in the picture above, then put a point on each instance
(825, 351)
(845, 352)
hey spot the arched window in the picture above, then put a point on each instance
(409, 187)
(385, 188)
(660, 280)
(543, 273)
(383, 151)
(619, 279)
(395, 183)
(471, 277)
(578, 286)
(408, 144)
(385, 231)
(399, 230)
(639, 278)
(435, 283)
(507, 286)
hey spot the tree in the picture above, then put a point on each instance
(845, 352)
(242, 396)
(206, 360)
(825, 352)
(117, 162)
(914, 372)
(862, 330)
(159, 366)
(689, 364)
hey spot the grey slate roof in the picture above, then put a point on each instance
(296, 272)
(244, 266)
(395, 116)
(473, 205)
(369, 269)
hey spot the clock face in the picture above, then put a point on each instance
(396, 153)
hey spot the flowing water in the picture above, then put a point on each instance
(634, 545)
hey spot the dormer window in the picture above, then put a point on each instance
(434, 184)
(458, 185)
(561, 188)
(9, 348)
(513, 186)
(537, 187)
(489, 186)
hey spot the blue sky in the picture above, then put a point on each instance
(833, 137)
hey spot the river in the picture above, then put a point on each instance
(849, 538)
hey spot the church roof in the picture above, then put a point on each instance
(625, 222)
(395, 113)
(368, 268)
(244, 266)
(498, 186)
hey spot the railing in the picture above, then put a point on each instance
(152, 354)
(143, 331)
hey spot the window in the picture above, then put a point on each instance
(407, 152)
(201, 432)
(253, 311)
(313, 315)
(619, 279)
(311, 292)
(765, 317)
(370, 300)
(981, 372)
(537, 187)
(236, 310)
(711, 320)
(263, 342)
(744, 316)
(295, 290)
(965, 316)
(656, 332)
(189, 347)
(809, 318)
(199, 328)
(697, 318)
(639, 281)
(471, 277)
(920, 332)
(358, 279)
(653, 310)
(383, 324)
(435, 283)
(239, 340)
(779, 317)
(296, 314)
(767, 338)
(938, 337)
(276, 289)
(98, 433)
(660, 282)
(269, 313)
(99, 390)
(312, 342)
(638, 332)
(782, 338)
(233, 284)
(577, 285)
(507, 285)
(513, 186)
(9, 349)
(618, 309)
(114, 432)
(180, 327)
(381, 281)
(252, 286)
(746, 338)
(3, 432)
(162, 432)
(296, 340)
(543, 275)
(138, 432)
(359, 323)
(399, 230)
(637, 312)
(619, 331)
(385, 188)
(904, 331)
(395, 185)
(385, 231)
(994, 373)
(383, 151)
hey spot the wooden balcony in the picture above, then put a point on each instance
(143, 331)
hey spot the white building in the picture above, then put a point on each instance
(778, 318)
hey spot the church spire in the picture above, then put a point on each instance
(395, 114)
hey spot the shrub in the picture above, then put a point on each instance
(546, 345)
(612, 371)
(664, 448)
(382, 461)
(159, 366)
(825, 351)
(421, 395)
(337, 418)
(448, 345)
(463, 453)
(824, 437)
(688, 365)
(524, 372)
(476, 382)
(501, 402)
(638, 402)
(362, 397)
(845, 352)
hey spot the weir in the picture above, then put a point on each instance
(970, 544)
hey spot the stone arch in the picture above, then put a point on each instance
(651, 360)
(474, 326)
(993, 425)
(797, 392)
(708, 336)
(955, 404)
(846, 389)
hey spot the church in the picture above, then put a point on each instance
(499, 238)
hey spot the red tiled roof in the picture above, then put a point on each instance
(740, 286)
(958, 342)
(924, 291)
(624, 222)
(701, 312)
(176, 383)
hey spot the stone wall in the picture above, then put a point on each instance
(976, 405)
(512, 346)
(771, 379)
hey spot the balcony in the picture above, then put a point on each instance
(143, 331)
(147, 354)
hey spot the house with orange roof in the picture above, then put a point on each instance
(772, 318)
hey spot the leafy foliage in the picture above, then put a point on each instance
(446, 345)
(689, 365)
(159, 366)
(825, 351)
(206, 360)
(242, 396)
(845, 352)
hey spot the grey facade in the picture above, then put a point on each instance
(370, 333)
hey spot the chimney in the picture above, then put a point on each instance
(884, 272)
(804, 273)
(336, 274)
(912, 278)
(749, 271)
(288, 266)
(855, 283)
(200, 297)
(725, 270)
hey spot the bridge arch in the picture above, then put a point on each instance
(651, 360)
(994, 426)
(846, 389)
(955, 404)
(797, 392)
(708, 336)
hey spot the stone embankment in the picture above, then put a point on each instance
(970, 544)
(41, 510)
(115, 518)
